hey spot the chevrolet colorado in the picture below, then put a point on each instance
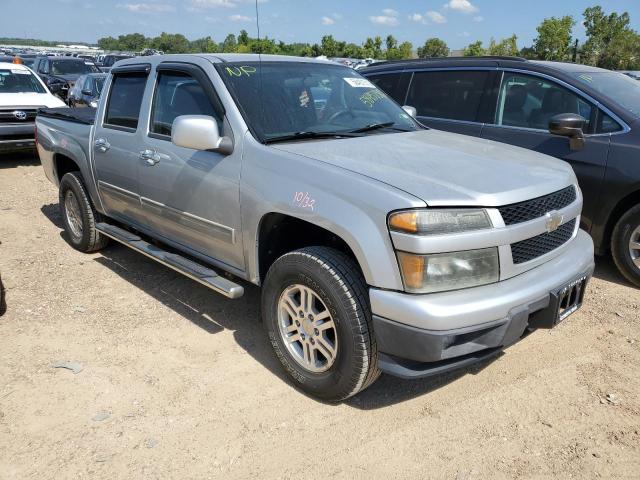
(380, 245)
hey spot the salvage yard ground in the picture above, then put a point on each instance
(178, 382)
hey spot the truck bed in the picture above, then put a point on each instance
(85, 116)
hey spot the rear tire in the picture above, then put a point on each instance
(625, 245)
(79, 216)
(344, 357)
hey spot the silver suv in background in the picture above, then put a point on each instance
(380, 245)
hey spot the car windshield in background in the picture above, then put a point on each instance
(310, 100)
(622, 89)
(67, 67)
(19, 81)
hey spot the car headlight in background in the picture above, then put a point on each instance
(449, 271)
(93, 103)
(434, 222)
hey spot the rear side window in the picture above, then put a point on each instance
(178, 94)
(454, 95)
(393, 84)
(125, 100)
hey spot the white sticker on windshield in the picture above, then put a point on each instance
(21, 72)
(359, 82)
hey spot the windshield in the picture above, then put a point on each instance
(622, 89)
(99, 84)
(289, 98)
(19, 81)
(70, 67)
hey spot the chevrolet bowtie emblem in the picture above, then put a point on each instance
(553, 220)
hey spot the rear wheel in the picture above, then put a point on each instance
(78, 215)
(317, 316)
(625, 245)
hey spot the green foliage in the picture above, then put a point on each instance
(554, 39)
(507, 47)
(611, 43)
(433, 47)
(474, 49)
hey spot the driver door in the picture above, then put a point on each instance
(190, 197)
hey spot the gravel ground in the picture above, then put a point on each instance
(178, 382)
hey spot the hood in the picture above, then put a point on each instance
(26, 100)
(444, 169)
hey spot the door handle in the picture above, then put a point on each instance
(102, 145)
(151, 157)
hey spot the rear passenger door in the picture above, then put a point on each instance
(526, 102)
(190, 197)
(450, 100)
(116, 144)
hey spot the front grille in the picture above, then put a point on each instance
(7, 116)
(535, 247)
(537, 207)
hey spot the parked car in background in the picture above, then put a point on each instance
(61, 73)
(588, 116)
(373, 251)
(109, 60)
(21, 94)
(86, 91)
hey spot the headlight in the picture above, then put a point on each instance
(434, 222)
(449, 271)
(93, 103)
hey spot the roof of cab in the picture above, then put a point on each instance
(13, 66)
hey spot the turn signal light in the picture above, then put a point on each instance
(404, 221)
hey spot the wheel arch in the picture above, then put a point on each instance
(623, 205)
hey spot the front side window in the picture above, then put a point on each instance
(178, 94)
(529, 101)
(125, 100)
(19, 81)
(280, 99)
(452, 95)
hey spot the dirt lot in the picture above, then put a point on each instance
(178, 382)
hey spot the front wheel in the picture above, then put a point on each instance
(317, 316)
(625, 245)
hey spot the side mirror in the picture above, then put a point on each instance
(410, 110)
(87, 92)
(199, 132)
(569, 125)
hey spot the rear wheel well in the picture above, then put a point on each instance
(623, 205)
(64, 164)
(280, 234)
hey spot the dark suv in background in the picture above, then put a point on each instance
(588, 116)
(61, 73)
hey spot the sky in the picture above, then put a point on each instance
(458, 22)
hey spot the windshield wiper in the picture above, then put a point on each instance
(378, 126)
(310, 134)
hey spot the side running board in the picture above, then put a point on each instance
(195, 271)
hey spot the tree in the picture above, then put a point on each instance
(372, 48)
(108, 44)
(243, 38)
(170, 43)
(204, 45)
(132, 42)
(229, 45)
(433, 47)
(554, 38)
(474, 49)
(507, 47)
(611, 43)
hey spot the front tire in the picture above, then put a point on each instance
(78, 215)
(625, 245)
(317, 317)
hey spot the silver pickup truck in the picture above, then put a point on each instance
(380, 245)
